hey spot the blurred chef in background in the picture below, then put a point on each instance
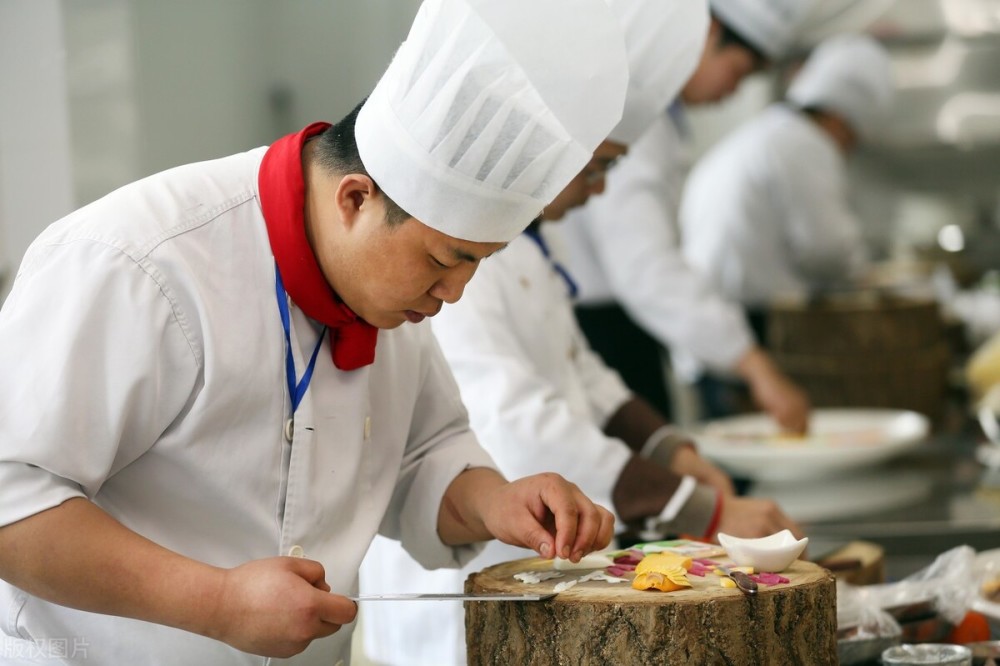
(540, 399)
(216, 385)
(765, 213)
(784, 226)
(637, 294)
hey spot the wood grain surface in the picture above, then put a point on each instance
(600, 623)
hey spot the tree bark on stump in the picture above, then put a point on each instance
(596, 623)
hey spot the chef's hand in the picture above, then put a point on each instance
(275, 607)
(549, 514)
(544, 512)
(77, 555)
(687, 462)
(774, 392)
(752, 517)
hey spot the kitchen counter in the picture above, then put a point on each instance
(934, 498)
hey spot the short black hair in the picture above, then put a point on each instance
(731, 37)
(337, 152)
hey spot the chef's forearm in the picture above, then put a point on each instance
(643, 489)
(76, 555)
(634, 422)
(755, 366)
(460, 517)
(646, 431)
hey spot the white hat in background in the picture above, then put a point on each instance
(836, 17)
(489, 108)
(664, 40)
(768, 25)
(850, 75)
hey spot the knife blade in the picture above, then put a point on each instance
(458, 596)
(745, 584)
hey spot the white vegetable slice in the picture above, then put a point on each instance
(533, 577)
(591, 561)
(563, 586)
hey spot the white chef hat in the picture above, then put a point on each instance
(489, 108)
(850, 75)
(664, 40)
(768, 25)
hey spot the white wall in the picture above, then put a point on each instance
(97, 93)
(206, 79)
(332, 53)
(201, 78)
(100, 79)
(35, 180)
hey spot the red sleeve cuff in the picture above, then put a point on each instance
(713, 524)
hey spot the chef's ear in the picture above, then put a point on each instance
(355, 194)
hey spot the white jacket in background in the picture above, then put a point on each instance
(765, 212)
(143, 360)
(538, 399)
(623, 246)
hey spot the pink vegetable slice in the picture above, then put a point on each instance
(630, 558)
(765, 578)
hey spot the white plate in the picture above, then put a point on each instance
(860, 493)
(752, 445)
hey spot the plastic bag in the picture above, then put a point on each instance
(948, 584)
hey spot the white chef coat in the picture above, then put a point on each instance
(538, 398)
(144, 368)
(765, 212)
(623, 246)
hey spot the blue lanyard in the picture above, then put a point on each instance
(535, 235)
(295, 390)
(678, 115)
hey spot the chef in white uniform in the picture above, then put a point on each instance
(210, 402)
(784, 228)
(637, 295)
(540, 398)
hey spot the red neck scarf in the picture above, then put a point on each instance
(282, 199)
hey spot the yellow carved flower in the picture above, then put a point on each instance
(666, 580)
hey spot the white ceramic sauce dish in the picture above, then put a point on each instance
(773, 553)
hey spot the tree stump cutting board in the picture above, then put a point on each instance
(613, 624)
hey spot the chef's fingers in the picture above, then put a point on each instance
(795, 528)
(559, 496)
(312, 571)
(794, 421)
(336, 610)
(595, 526)
(592, 529)
(595, 530)
(792, 412)
(778, 520)
(332, 610)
